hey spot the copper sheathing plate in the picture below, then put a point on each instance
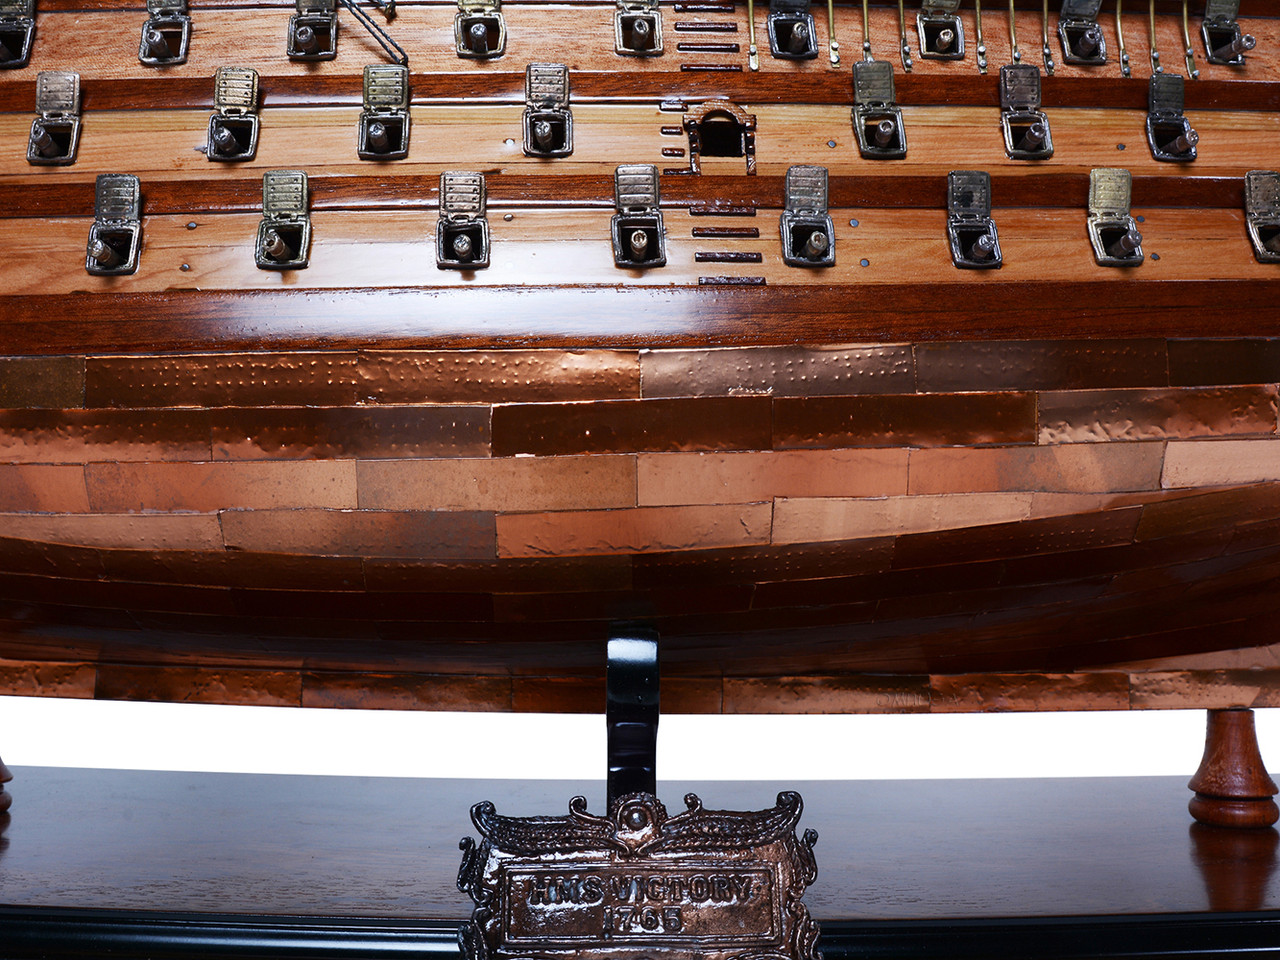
(42, 488)
(1075, 468)
(142, 531)
(365, 533)
(1195, 362)
(753, 477)
(579, 694)
(915, 420)
(414, 692)
(26, 679)
(858, 694)
(498, 376)
(1041, 365)
(632, 531)
(199, 685)
(222, 380)
(325, 433)
(509, 484)
(1094, 415)
(206, 487)
(1164, 689)
(623, 426)
(981, 694)
(778, 371)
(78, 436)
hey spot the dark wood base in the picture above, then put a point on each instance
(200, 866)
(1232, 786)
(52, 933)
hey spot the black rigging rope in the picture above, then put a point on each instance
(385, 40)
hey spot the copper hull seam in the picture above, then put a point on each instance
(885, 486)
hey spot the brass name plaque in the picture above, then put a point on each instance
(676, 906)
(720, 885)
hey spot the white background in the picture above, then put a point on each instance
(162, 736)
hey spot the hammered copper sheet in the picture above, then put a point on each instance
(79, 436)
(222, 380)
(1097, 415)
(778, 371)
(1041, 365)
(497, 376)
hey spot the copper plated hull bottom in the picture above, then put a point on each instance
(940, 525)
(1082, 610)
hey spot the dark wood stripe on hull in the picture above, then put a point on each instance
(1248, 8)
(420, 191)
(967, 89)
(610, 317)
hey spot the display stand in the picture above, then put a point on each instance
(144, 864)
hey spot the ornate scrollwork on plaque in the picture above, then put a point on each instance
(716, 884)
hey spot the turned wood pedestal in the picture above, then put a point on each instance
(1233, 788)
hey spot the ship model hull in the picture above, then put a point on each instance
(888, 484)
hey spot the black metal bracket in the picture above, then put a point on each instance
(631, 710)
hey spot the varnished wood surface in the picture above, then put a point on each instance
(1248, 8)
(160, 147)
(612, 317)
(532, 294)
(1192, 249)
(175, 92)
(715, 196)
(357, 847)
(583, 35)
